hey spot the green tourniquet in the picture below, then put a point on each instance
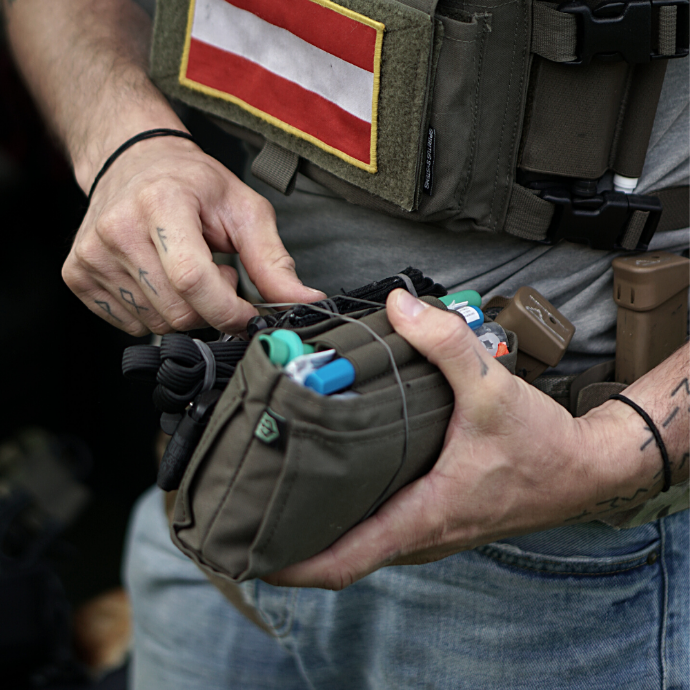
(472, 298)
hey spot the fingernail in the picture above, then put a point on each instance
(314, 290)
(410, 306)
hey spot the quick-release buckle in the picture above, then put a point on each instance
(600, 220)
(625, 30)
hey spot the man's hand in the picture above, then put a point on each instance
(514, 462)
(142, 257)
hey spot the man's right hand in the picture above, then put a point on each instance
(142, 256)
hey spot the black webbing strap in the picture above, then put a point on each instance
(531, 217)
(555, 32)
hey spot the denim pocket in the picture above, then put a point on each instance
(591, 549)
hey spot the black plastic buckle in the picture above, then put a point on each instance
(624, 30)
(600, 220)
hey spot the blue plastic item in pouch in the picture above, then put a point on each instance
(332, 377)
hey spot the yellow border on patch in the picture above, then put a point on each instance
(215, 93)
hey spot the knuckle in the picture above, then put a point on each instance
(111, 225)
(86, 252)
(232, 324)
(185, 321)
(160, 193)
(339, 580)
(450, 336)
(74, 277)
(161, 328)
(257, 209)
(186, 276)
(283, 262)
(137, 329)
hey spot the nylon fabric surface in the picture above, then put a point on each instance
(405, 63)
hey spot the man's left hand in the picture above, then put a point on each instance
(514, 462)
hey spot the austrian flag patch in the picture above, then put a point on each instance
(309, 67)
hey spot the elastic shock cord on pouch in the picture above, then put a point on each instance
(191, 375)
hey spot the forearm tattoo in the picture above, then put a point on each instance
(680, 395)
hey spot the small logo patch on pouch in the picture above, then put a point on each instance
(270, 428)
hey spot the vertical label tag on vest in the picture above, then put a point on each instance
(308, 67)
(428, 186)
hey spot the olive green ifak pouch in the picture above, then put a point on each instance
(281, 472)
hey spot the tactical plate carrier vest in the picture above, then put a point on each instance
(475, 115)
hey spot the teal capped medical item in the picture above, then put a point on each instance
(332, 377)
(462, 298)
(282, 346)
(295, 345)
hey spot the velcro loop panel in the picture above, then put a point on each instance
(667, 29)
(554, 33)
(276, 167)
(528, 217)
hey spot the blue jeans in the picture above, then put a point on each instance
(575, 607)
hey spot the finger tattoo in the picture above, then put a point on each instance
(485, 369)
(128, 297)
(106, 308)
(144, 279)
(162, 238)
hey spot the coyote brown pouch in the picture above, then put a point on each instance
(281, 472)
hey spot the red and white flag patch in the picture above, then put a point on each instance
(309, 67)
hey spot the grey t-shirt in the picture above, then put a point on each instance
(338, 245)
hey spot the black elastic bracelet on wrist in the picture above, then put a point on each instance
(148, 134)
(655, 433)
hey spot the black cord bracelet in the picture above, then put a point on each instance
(148, 134)
(655, 433)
